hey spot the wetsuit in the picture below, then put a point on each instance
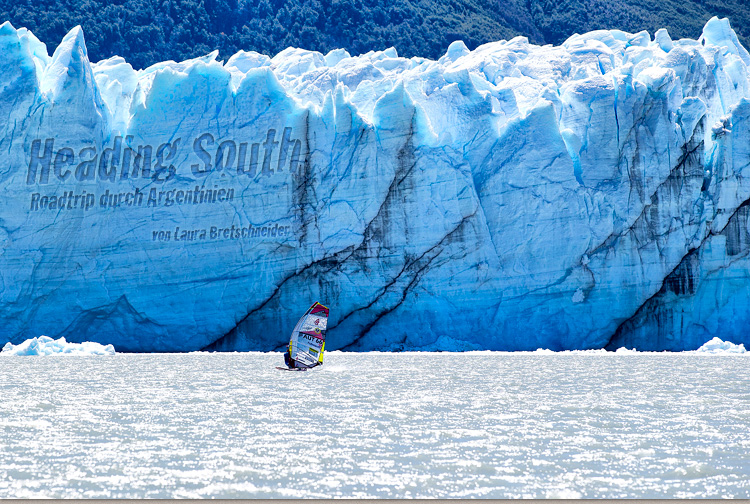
(289, 361)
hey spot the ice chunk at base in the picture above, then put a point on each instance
(717, 346)
(44, 345)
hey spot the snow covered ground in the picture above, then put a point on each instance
(477, 424)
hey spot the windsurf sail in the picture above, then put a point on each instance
(308, 341)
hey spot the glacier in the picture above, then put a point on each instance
(512, 197)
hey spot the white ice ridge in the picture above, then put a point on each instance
(513, 197)
(44, 345)
(717, 346)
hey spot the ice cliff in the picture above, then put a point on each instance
(591, 195)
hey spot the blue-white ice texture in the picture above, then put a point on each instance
(44, 345)
(717, 346)
(589, 195)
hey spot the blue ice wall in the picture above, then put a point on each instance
(512, 197)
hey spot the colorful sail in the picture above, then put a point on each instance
(307, 344)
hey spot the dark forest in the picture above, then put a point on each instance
(149, 31)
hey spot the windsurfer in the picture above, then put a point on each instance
(307, 342)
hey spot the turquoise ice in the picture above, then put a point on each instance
(513, 197)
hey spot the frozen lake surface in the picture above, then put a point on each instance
(480, 424)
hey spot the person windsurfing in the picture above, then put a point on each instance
(307, 343)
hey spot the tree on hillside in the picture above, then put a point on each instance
(145, 32)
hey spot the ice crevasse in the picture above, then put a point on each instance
(589, 195)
